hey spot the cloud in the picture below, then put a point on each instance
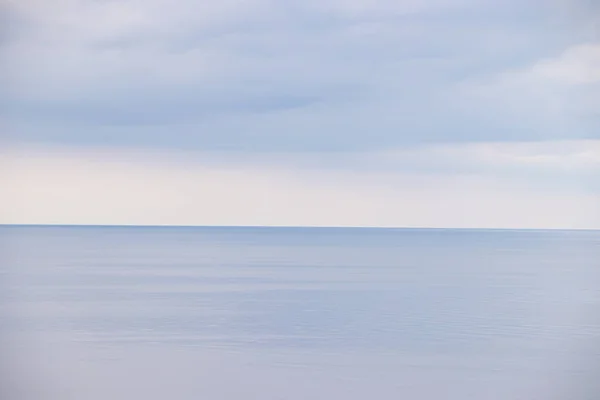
(555, 97)
(577, 66)
(89, 186)
(552, 157)
(260, 75)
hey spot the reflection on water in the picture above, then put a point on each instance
(281, 313)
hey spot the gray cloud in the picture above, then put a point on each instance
(254, 75)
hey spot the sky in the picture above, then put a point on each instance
(392, 113)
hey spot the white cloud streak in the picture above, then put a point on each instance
(552, 157)
(555, 94)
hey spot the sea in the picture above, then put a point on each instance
(232, 313)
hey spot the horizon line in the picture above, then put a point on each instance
(292, 227)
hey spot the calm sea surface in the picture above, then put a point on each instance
(93, 313)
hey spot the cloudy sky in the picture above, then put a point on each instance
(432, 113)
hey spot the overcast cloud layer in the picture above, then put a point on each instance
(503, 92)
(299, 75)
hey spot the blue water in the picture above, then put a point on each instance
(299, 313)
